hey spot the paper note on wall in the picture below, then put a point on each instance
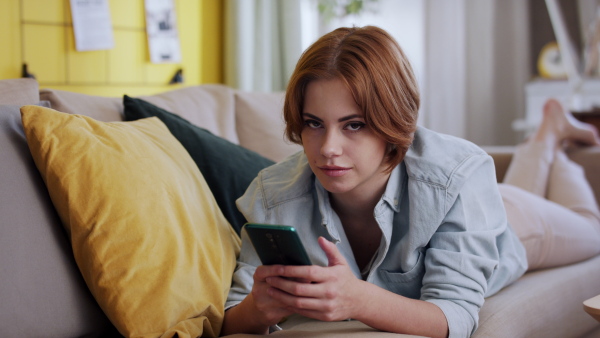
(92, 25)
(161, 27)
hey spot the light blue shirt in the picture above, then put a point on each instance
(445, 236)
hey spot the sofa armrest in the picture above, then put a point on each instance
(588, 158)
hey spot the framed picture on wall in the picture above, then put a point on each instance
(161, 28)
(92, 25)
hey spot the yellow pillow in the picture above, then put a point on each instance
(147, 234)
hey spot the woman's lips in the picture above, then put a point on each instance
(334, 171)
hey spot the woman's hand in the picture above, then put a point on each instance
(259, 310)
(334, 293)
(324, 293)
(330, 294)
(269, 309)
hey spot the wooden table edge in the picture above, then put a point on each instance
(592, 307)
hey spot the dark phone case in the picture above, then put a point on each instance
(277, 244)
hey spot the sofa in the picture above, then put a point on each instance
(43, 292)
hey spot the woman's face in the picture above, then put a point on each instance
(342, 150)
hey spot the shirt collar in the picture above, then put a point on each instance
(326, 211)
(393, 189)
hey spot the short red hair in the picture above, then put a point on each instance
(378, 75)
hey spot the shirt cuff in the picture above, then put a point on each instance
(229, 305)
(460, 323)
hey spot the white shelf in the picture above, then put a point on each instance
(537, 92)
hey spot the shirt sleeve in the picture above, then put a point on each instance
(465, 252)
(243, 277)
(251, 205)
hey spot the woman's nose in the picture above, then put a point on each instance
(332, 144)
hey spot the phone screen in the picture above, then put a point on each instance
(277, 244)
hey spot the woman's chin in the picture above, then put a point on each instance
(334, 187)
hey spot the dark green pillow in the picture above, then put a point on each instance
(227, 168)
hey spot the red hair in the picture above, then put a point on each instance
(378, 75)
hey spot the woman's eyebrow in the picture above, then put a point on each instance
(342, 119)
(350, 117)
(311, 116)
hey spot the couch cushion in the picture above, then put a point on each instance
(41, 289)
(595, 333)
(227, 167)
(543, 303)
(260, 125)
(98, 107)
(308, 328)
(206, 106)
(146, 233)
(19, 92)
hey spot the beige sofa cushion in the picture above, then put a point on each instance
(592, 334)
(544, 303)
(100, 108)
(260, 124)
(301, 328)
(208, 106)
(42, 292)
(19, 92)
(196, 104)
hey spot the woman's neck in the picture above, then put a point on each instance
(358, 220)
(361, 202)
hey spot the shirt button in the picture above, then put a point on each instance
(395, 201)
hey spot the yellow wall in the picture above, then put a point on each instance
(39, 33)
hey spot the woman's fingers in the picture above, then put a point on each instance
(296, 287)
(334, 256)
(325, 293)
(264, 271)
(327, 308)
(295, 302)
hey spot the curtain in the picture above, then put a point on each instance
(476, 68)
(263, 41)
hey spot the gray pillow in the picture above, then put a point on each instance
(42, 293)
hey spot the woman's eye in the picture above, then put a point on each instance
(355, 126)
(312, 124)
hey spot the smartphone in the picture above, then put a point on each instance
(277, 244)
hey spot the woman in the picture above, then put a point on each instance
(406, 227)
